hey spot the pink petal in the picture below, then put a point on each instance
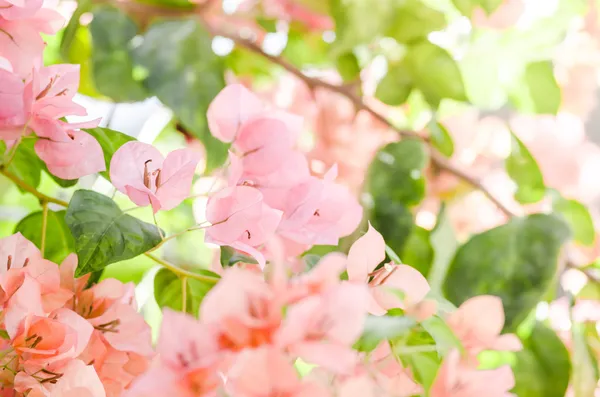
(11, 94)
(176, 177)
(127, 165)
(72, 160)
(334, 357)
(481, 316)
(365, 254)
(17, 10)
(230, 109)
(15, 250)
(78, 380)
(24, 302)
(82, 328)
(346, 307)
(508, 342)
(406, 279)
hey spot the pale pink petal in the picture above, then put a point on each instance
(403, 278)
(11, 94)
(83, 328)
(481, 316)
(365, 254)
(507, 342)
(78, 380)
(358, 386)
(332, 356)
(16, 250)
(127, 165)
(24, 302)
(230, 109)
(176, 177)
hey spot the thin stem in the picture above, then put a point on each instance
(183, 294)
(182, 272)
(13, 151)
(406, 350)
(162, 236)
(30, 189)
(171, 237)
(44, 226)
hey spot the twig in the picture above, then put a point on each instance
(30, 189)
(182, 272)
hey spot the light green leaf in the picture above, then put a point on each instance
(444, 243)
(168, 290)
(59, 241)
(110, 141)
(112, 63)
(585, 366)
(230, 257)
(380, 328)
(414, 20)
(516, 261)
(525, 172)
(348, 67)
(104, 234)
(468, 6)
(186, 76)
(538, 92)
(396, 86)
(441, 333)
(441, 138)
(25, 164)
(577, 216)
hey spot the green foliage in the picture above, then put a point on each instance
(585, 366)
(104, 234)
(25, 163)
(396, 86)
(413, 20)
(110, 141)
(444, 243)
(230, 257)
(525, 172)
(417, 251)
(577, 217)
(468, 6)
(112, 63)
(59, 241)
(168, 290)
(516, 261)
(306, 48)
(185, 75)
(441, 138)
(538, 92)
(380, 328)
(348, 67)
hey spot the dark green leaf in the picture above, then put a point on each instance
(348, 67)
(414, 20)
(393, 220)
(516, 261)
(230, 257)
(396, 86)
(441, 138)
(539, 92)
(525, 172)
(104, 234)
(577, 216)
(186, 76)
(62, 182)
(417, 251)
(25, 164)
(379, 328)
(444, 243)
(112, 63)
(110, 141)
(168, 291)
(59, 242)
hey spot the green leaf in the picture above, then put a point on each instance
(70, 31)
(348, 67)
(104, 234)
(414, 20)
(417, 251)
(110, 141)
(468, 6)
(185, 75)
(59, 241)
(585, 365)
(441, 333)
(538, 92)
(516, 261)
(396, 86)
(306, 48)
(230, 257)
(435, 73)
(577, 217)
(168, 291)
(112, 62)
(392, 255)
(525, 172)
(25, 164)
(61, 182)
(444, 243)
(397, 172)
(379, 328)
(441, 138)
(424, 367)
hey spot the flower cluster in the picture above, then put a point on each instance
(35, 99)
(60, 338)
(253, 329)
(272, 195)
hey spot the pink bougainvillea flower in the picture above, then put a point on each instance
(50, 342)
(241, 219)
(76, 380)
(322, 328)
(16, 252)
(266, 372)
(244, 310)
(17, 9)
(478, 323)
(21, 43)
(11, 97)
(235, 105)
(188, 363)
(389, 374)
(73, 155)
(364, 256)
(319, 211)
(455, 379)
(140, 171)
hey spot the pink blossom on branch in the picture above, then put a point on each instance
(140, 171)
